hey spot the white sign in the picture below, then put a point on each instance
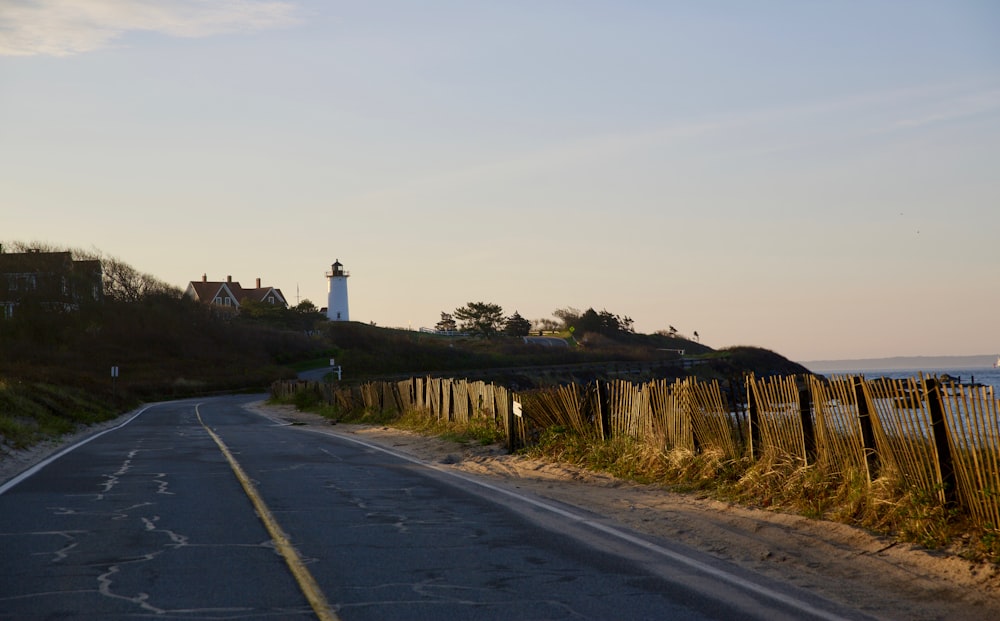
(517, 409)
(114, 371)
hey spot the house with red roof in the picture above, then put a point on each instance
(230, 294)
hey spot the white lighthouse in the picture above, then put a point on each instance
(336, 305)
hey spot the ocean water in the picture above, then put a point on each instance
(982, 375)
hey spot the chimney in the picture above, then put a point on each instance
(204, 278)
(258, 283)
(229, 278)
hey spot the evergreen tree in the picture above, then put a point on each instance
(480, 318)
(447, 323)
(517, 325)
(604, 322)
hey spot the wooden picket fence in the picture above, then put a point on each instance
(941, 440)
(443, 399)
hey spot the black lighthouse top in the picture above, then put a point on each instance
(337, 270)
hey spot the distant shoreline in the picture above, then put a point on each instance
(903, 363)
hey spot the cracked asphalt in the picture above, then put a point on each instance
(149, 521)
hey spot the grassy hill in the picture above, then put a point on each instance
(55, 366)
(368, 352)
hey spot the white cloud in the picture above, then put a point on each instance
(68, 27)
(956, 108)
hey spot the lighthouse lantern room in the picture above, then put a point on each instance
(336, 307)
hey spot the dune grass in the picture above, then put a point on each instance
(887, 506)
(31, 412)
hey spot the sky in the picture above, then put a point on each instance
(821, 179)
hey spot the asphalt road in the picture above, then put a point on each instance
(205, 510)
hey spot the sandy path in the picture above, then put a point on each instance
(845, 564)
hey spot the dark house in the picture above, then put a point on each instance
(49, 280)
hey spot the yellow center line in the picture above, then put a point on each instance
(305, 579)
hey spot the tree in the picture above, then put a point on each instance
(480, 318)
(604, 322)
(545, 325)
(305, 307)
(589, 321)
(302, 317)
(307, 315)
(124, 283)
(447, 323)
(569, 316)
(517, 325)
(625, 324)
(266, 313)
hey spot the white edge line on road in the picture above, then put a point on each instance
(51, 458)
(608, 530)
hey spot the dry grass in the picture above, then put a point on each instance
(476, 431)
(566, 426)
(31, 412)
(887, 506)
